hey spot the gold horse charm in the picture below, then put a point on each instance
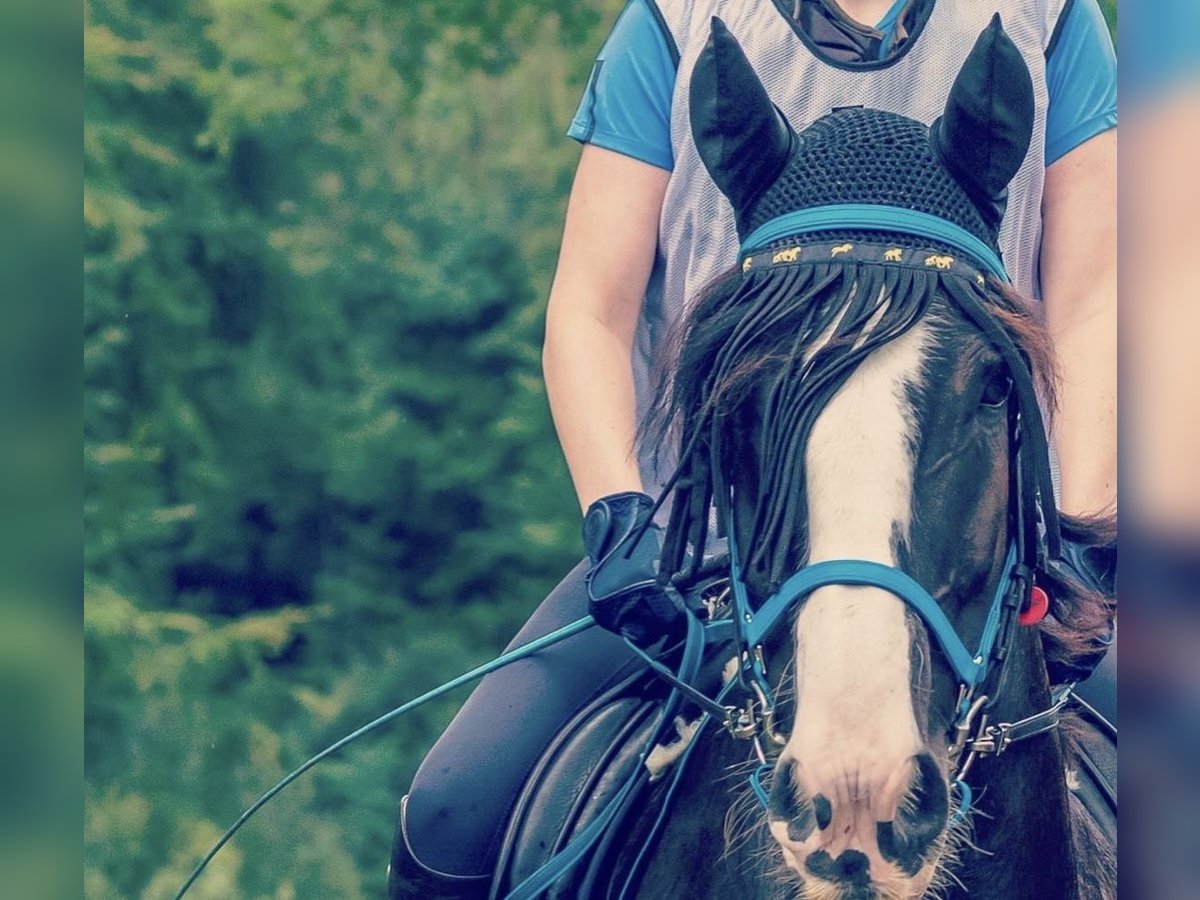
(939, 262)
(894, 255)
(789, 255)
(841, 251)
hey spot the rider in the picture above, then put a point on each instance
(646, 228)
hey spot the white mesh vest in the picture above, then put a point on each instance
(697, 239)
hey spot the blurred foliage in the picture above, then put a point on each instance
(1109, 8)
(320, 472)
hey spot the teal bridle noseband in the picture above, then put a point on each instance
(970, 668)
(971, 733)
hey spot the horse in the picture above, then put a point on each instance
(858, 407)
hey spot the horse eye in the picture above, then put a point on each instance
(996, 391)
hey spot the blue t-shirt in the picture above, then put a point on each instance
(627, 104)
(1158, 45)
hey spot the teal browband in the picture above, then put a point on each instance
(868, 217)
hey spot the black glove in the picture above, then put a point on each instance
(1095, 567)
(624, 595)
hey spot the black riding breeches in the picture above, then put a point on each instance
(460, 798)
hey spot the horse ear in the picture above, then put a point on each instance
(742, 138)
(984, 134)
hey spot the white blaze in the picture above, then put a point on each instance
(855, 726)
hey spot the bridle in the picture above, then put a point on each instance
(1034, 524)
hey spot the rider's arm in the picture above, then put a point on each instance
(1079, 286)
(1079, 253)
(1158, 339)
(608, 249)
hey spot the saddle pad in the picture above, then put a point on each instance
(577, 776)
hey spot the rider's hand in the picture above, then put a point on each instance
(1095, 567)
(624, 595)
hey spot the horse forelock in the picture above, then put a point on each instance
(796, 334)
(767, 353)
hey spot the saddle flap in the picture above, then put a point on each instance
(576, 778)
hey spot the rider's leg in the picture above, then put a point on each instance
(411, 879)
(457, 807)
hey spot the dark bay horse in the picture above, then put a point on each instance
(857, 401)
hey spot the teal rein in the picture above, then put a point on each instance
(521, 652)
(570, 856)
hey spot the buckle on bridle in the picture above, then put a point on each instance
(743, 722)
(756, 718)
(965, 724)
(995, 739)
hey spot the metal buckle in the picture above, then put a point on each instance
(993, 741)
(717, 605)
(742, 722)
(757, 717)
(963, 727)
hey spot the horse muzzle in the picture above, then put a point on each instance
(862, 833)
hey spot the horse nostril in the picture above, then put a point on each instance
(850, 866)
(785, 795)
(786, 802)
(921, 818)
(801, 825)
(823, 810)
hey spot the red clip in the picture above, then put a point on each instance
(1037, 607)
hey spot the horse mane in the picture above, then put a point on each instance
(795, 334)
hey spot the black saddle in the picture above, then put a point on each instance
(1096, 703)
(590, 762)
(598, 753)
(579, 775)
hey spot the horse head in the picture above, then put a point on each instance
(861, 387)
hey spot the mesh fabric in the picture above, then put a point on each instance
(867, 156)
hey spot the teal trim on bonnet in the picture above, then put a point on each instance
(869, 217)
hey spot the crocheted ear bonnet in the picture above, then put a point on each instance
(860, 173)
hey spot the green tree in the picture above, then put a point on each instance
(320, 472)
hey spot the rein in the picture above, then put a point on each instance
(576, 850)
(512, 656)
